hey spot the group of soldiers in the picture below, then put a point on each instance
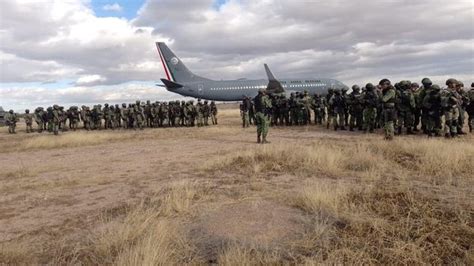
(403, 107)
(136, 115)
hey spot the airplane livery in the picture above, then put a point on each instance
(182, 81)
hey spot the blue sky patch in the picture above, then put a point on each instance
(117, 8)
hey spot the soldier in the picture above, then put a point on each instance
(39, 115)
(206, 113)
(425, 90)
(346, 110)
(370, 101)
(355, 106)
(450, 102)
(307, 102)
(389, 112)
(118, 116)
(330, 109)
(214, 112)
(192, 112)
(415, 88)
(182, 115)
(337, 103)
(112, 117)
(470, 108)
(406, 107)
(10, 119)
(62, 119)
(431, 104)
(292, 102)
(56, 119)
(74, 117)
(244, 112)
(163, 114)
(107, 118)
(263, 106)
(319, 105)
(463, 100)
(49, 118)
(199, 112)
(138, 116)
(147, 114)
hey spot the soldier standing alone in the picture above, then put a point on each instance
(263, 106)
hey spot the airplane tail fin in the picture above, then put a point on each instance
(274, 86)
(170, 85)
(175, 69)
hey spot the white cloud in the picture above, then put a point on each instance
(112, 7)
(90, 80)
(352, 40)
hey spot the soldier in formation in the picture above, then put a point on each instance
(136, 115)
(401, 108)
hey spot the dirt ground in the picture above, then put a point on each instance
(63, 190)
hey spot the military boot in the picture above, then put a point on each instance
(259, 139)
(409, 131)
(343, 128)
(264, 140)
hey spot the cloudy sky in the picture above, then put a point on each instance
(91, 51)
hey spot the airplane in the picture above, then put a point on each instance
(182, 81)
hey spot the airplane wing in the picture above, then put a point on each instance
(274, 86)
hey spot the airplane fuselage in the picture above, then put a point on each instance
(235, 90)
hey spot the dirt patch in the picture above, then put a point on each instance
(256, 223)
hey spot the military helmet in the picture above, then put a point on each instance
(27, 111)
(205, 102)
(11, 111)
(355, 87)
(384, 82)
(415, 85)
(106, 105)
(451, 81)
(370, 86)
(124, 105)
(212, 102)
(261, 90)
(435, 87)
(426, 82)
(330, 90)
(344, 89)
(460, 84)
(337, 91)
(55, 106)
(472, 85)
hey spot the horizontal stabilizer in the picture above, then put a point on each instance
(171, 85)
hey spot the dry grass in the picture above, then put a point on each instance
(368, 201)
(76, 139)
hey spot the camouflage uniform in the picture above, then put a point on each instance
(262, 107)
(244, 112)
(74, 117)
(450, 102)
(319, 107)
(370, 101)
(56, 119)
(406, 107)
(214, 113)
(355, 106)
(463, 100)
(470, 108)
(432, 107)
(138, 116)
(28, 121)
(39, 118)
(389, 112)
(10, 119)
(199, 113)
(338, 105)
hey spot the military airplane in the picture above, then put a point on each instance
(182, 81)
